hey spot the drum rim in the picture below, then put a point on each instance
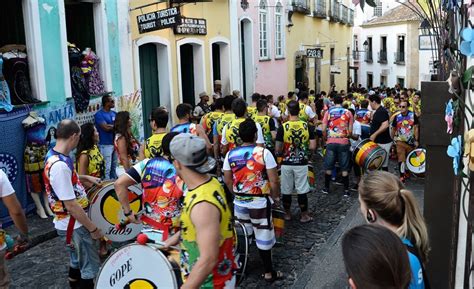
(149, 246)
(244, 265)
(409, 166)
(383, 155)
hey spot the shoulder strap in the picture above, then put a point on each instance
(415, 252)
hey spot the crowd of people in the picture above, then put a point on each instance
(231, 161)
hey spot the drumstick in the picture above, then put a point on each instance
(123, 223)
(143, 239)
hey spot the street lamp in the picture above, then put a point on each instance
(425, 27)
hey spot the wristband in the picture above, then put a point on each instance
(128, 214)
(93, 231)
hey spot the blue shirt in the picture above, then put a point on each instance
(101, 117)
(417, 281)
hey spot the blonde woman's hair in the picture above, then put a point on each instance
(385, 194)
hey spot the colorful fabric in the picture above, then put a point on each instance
(153, 145)
(185, 128)
(213, 193)
(264, 122)
(363, 116)
(96, 166)
(405, 127)
(232, 133)
(252, 111)
(209, 119)
(163, 190)
(221, 123)
(338, 120)
(258, 221)
(295, 136)
(57, 206)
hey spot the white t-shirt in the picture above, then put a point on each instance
(60, 180)
(308, 110)
(356, 130)
(275, 114)
(6, 188)
(260, 139)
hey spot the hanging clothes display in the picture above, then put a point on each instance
(90, 68)
(79, 89)
(5, 101)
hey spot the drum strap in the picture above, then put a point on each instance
(156, 225)
(70, 230)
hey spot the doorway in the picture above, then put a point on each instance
(220, 54)
(187, 73)
(216, 62)
(149, 82)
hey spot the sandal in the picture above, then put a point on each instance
(276, 275)
(306, 221)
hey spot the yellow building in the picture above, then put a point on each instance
(173, 65)
(319, 24)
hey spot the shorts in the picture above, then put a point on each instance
(294, 177)
(339, 152)
(403, 149)
(386, 147)
(258, 221)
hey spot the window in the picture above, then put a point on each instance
(320, 8)
(370, 80)
(400, 54)
(401, 81)
(383, 50)
(263, 33)
(279, 30)
(378, 9)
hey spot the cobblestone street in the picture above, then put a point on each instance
(302, 242)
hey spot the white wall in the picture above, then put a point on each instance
(391, 32)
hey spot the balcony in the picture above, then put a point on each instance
(301, 6)
(344, 14)
(334, 11)
(368, 56)
(320, 10)
(356, 55)
(351, 17)
(382, 57)
(400, 57)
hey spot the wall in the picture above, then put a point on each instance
(270, 74)
(217, 30)
(395, 70)
(311, 31)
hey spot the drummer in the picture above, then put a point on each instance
(337, 128)
(252, 179)
(206, 235)
(405, 132)
(163, 189)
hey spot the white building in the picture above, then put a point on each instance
(390, 50)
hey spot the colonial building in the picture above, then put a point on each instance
(391, 50)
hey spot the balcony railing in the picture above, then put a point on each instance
(356, 55)
(344, 14)
(320, 10)
(301, 6)
(400, 57)
(334, 11)
(351, 17)
(382, 56)
(368, 56)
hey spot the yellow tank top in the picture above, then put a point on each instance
(153, 145)
(96, 166)
(208, 120)
(222, 122)
(213, 193)
(264, 121)
(295, 142)
(251, 111)
(303, 115)
(232, 133)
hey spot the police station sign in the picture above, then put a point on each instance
(160, 19)
(195, 26)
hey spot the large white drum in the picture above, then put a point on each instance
(416, 161)
(137, 266)
(105, 211)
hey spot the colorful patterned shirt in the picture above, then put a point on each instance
(185, 128)
(295, 136)
(252, 111)
(268, 125)
(96, 166)
(208, 120)
(405, 125)
(163, 189)
(338, 121)
(153, 145)
(213, 193)
(363, 116)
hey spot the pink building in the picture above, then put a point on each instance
(259, 61)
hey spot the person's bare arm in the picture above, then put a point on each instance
(107, 127)
(202, 134)
(274, 134)
(278, 147)
(228, 180)
(312, 144)
(83, 162)
(80, 215)
(141, 153)
(274, 184)
(123, 153)
(16, 212)
(417, 135)
(205, 218)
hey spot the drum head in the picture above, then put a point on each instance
(416, 161)
(105, 212)
(375, 160)
(136, 266)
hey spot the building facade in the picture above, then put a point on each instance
(323, 24)
(391, 53)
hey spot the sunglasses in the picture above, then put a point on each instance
(402, 106)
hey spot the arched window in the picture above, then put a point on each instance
(279, 35)
(263, 29)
